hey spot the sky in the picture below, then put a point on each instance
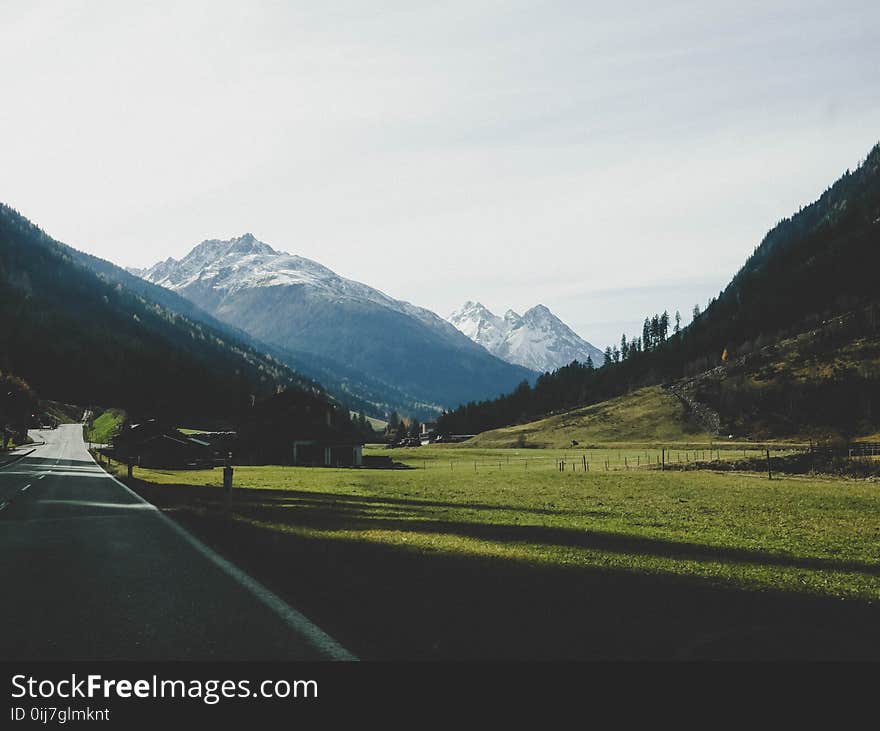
(608, 160)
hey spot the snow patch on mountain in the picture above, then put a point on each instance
(537, 339)
(226, 267)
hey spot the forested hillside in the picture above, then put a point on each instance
(354, 390)
(818, 265)
(78, 336)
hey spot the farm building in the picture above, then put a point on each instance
(153, 444)
(299, 428)
(316, 452)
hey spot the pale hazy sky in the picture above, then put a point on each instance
(605, 159)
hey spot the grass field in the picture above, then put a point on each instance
(105, 426)
(435, 552)
(585, 458)
(649, 415)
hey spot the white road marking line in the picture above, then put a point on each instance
(65, 473)
(292, 618)
(3, 505)
(25, 487)
(94, 504)
(42, 477)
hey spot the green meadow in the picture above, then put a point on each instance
(817, 535)
(448, 556)
(104, 427)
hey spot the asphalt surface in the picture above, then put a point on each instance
(91, 572)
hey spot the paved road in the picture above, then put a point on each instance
(90, 571)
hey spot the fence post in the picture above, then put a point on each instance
(769, 471)
(227, 482)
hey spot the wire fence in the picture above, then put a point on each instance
(601, 460)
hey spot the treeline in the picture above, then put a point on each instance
(817, 264)
(655, 333)
(18, 404)
(400, 428)
(361, 426)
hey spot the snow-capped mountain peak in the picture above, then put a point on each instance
(231, 265)
(537, 339)
(540, 312)
(216, 270)
(480, 325)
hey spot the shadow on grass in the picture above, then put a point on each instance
(337, 511)
(393, 602)
(47, 462)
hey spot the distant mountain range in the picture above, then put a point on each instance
(537, 340)
(390, 352)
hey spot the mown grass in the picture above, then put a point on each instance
(818, 536)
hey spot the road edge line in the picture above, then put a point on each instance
(294, 619)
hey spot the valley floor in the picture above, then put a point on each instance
(497, 554)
